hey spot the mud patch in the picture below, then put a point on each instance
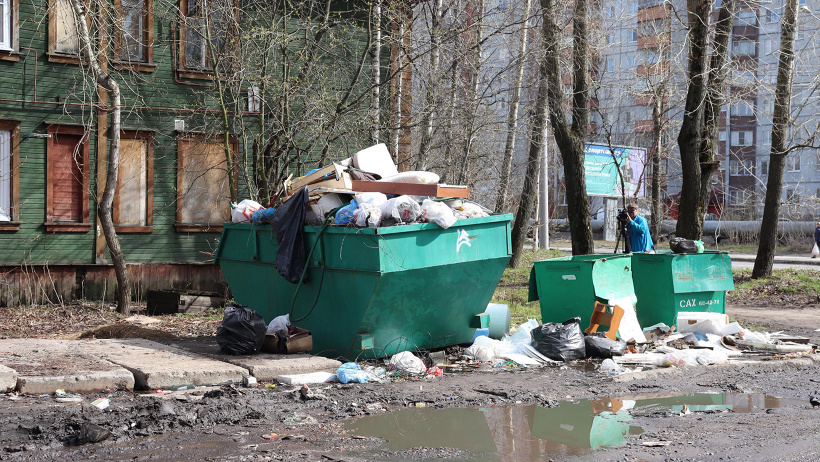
(125, 331)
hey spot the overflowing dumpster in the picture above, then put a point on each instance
(569, 286)
(373, 292)
(667, 283)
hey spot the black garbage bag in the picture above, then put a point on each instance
(560, 341)
(681, 245)
(600, 346)
(288, 223)
(242, 331)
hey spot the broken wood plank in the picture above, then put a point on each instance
(412, 189)
(334, 168)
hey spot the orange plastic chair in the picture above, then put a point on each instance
(600, 316)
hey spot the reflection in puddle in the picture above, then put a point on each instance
(530, 432)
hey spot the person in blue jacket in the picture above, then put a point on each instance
(638, 230)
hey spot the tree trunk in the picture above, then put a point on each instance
(471, 97)
(718, 70)
(512, 117)
(777, 157)
(657, 130)
(107, 201)
(570, 140)
(431, 92)
(526, 206)
(690, 221)
(375, 70)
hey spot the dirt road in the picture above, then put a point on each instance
(231, 424)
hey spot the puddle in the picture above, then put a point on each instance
(523, 433)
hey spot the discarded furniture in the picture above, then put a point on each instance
(374, 292)
(172, 301)
(666, 283)
(601, 316)
(568, 286)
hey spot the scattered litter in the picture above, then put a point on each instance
(655, 444)
(302, 379)
(307, 394)
(249, 381)
(300, 419)
(407, 362)
(88, 433)
(271, 436)
(560, 341)
(352, 373)
(435, 371)
(101, 403)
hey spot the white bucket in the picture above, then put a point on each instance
(499, 319)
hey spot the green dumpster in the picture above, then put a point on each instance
(371, 293)
(570, 286)
(667, 283)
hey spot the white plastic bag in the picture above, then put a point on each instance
(438, 213)
(278, 323)
(243, 211)
(479, 353)
(402, 209)
(815, 251)
(407, 362)
(413, 178)
(368, 215)
(372, 198)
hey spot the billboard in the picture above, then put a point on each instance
(602, 166)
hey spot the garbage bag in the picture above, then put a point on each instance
(242, 331)
(243, 211)
(560, 341)
(344, 215)
(599, 346)
(351, 373)
(681, 245)
(438, 213)
(288, 223)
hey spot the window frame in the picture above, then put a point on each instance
(55, 56)
(793, 163)
(14, 151)
(148, 137)
(147, 63)
(181, 226)
(736, 138)
(182, 69)
(83, 226)
(11, 51)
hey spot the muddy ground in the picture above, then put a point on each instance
(232, 423)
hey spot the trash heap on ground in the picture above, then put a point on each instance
(366, 190)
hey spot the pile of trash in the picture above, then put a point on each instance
(367, 190)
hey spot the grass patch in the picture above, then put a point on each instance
(514, 286)
(788, 281)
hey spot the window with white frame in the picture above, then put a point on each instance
(741, 167)
(766, 46)
(738, 197)
(766, 136)
(792, 196)
(743, 108)
(633, 35)
(5, 175)
(743, 47)
(6, 25)
(746, 18)
(742, 138)
(771, 15)
(722, 135)
(793, 163)
(768, 107)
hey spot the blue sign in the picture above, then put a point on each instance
(603, 165)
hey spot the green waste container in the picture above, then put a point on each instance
(667, 283)
(372, 293)
(570, 286)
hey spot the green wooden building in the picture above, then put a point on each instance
(172, 190)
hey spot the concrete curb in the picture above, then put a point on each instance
(8, 379)
(158, 366)
(119, 379)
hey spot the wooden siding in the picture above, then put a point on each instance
(63, 283)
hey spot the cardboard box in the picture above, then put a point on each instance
(298, 342)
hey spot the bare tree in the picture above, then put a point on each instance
(777, 157)
(512, 117)
(104, 207)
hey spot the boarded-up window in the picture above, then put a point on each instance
(67, 178)
(202, 182)
(65, 33)
(133, 202)
(5, 175)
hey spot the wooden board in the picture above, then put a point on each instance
(432, 190)
(334, 181)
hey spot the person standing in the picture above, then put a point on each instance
(639, 237)
(816, 239)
